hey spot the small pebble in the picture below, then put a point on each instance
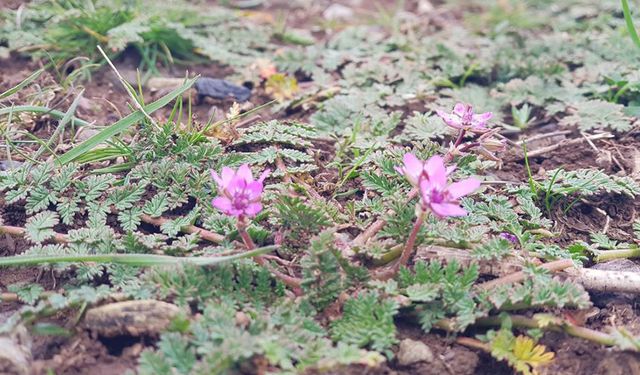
(337, 12)
(412, 351)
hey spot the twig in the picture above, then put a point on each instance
(292, 282)
(607, 281)
(593, 146)
(159, 221)
(572, 330)
(203, 233)
(8, 297)
(474, 344)
(21, 232)
(542, 136)
(556, 265)
(544, 150)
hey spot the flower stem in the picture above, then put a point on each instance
(293, 282)
(460, 138)
(572, 330)
(607, 255)
(408, 248)
(406, 252)
(556, 265)
(377, 225)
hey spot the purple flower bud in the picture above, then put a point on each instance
(509, 237)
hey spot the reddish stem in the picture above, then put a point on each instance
(408, 247)
(293, 282)
(389, 273)
(460, 138)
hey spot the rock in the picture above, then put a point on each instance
(412, 351)
(15, 353)
(337, 12)
(131, 318)
(424, 6)
(85, 133)
(6, 165)
(625, 265)
(220, 89)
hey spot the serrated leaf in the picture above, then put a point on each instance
(39, 228)
(597, 114)
(157, 205)
(130, 219)
(67, 207)
(423, 292)
(39, 199)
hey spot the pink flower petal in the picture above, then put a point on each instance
(450, 120)
(436, 171)
(244, 172)
(227, 176)
(412, 164)
(264, 175)
(483, 117)
(447, 209)
(236, 186)
(217, 179)
(460, 109)
(222, 203)
(426, 188)
(464, 187)
(254, 190)
(252, 209)
(451, 168)
(413, 168)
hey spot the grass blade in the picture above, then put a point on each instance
(58, 115)
(61, 126)
(22, 84)
(629, 21)
(123, 124)
(142, 260)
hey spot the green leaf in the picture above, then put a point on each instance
(130, 219)
(178, 352)
(157, 205)
(367, 321)
(597, 114)
(423, 292)
(28, 294)
(39, 199)
(40, 227)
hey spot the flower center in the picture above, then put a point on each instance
(437, 196)
(467, 118)
(240, 200)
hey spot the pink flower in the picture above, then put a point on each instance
(415, 169)
(443, 199)
(239, 194)
(463, 118)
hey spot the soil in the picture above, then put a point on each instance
(106, 102)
